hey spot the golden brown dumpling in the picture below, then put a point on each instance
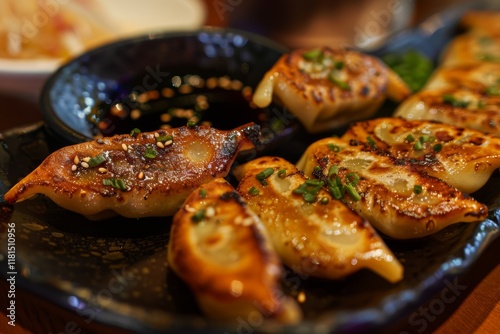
(463, 158)
(395, 198)
(149, 174)
(313, 233)
(221, 250)
(327, 87)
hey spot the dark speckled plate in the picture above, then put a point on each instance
(114, 272)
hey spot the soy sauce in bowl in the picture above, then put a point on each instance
(190, 99)
(166, 80)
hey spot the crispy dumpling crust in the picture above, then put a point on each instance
(395, 198)
(223, 253)
(463, 158)
(336, 87)
(323, 238)
(147, 175)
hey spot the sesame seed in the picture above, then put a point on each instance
(85, 165)
(189, 208)
(141, 175)
(76, 160)
(160, 144)
(168, 142)
(124, 147)
(102, 170)
(100, 141)
(210, 212)
(86, 159)
(73, 168)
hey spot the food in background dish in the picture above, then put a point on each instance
(465, 89)
(136, 175)
(463, 95)
(481, 21)
(395, 198)
(472, 48)
(223, 253)
(312, 232)
(327, 88)
(31, 29)
(463, 158)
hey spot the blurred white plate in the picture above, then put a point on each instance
(130, 17)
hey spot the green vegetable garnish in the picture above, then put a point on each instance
(333, 147)
(262, 176)
(371, 142)
(351, 191)
(493, 90)
(417, 189)
(97, 160)
(150, 153)
(164, 138)
(254, 191)
(115, 183)
(282, 173)
(341, 84)
(135, 132)
(450, 99)
(198, 216)
(437, 148)
(413, 67)
(410, 138)
(313, 55)
(203, 193)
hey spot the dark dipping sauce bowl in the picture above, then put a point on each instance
(166, 80)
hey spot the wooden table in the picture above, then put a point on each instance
(475, 310)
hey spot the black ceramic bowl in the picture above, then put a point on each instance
(151, 81)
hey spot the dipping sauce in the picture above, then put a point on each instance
(221, 102)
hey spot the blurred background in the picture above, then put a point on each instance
(36, 36)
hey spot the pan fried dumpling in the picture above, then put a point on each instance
(313, 233)
(148, 174)
(482, 21)
(471, 48)
(223, 253)
(463, 158)
(395, 198)
(327, 87)
(466, 96)
(460, 107)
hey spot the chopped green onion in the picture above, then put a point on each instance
(333, 170)
(309, 197)
(418, 146)
(437, 148)
(317, 168)
(150, 153)
(254, 191)
(410, 138)
(164, 138)
(351, 191)
(335, 191)
(493, 90)
(424, 139)
(314, 182)
(324, 200)
(489, 57)
(282, 173)
(313, 55)
(190, 124)
(333, 147)
(135, 132)
(450, 99)
(198, 216)
(352, 178)
(265, 174)
(341, 84)
(371, 142)
(97, 160)
(115, 183)
(339, 65)
(203, 193)
(417, 189)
